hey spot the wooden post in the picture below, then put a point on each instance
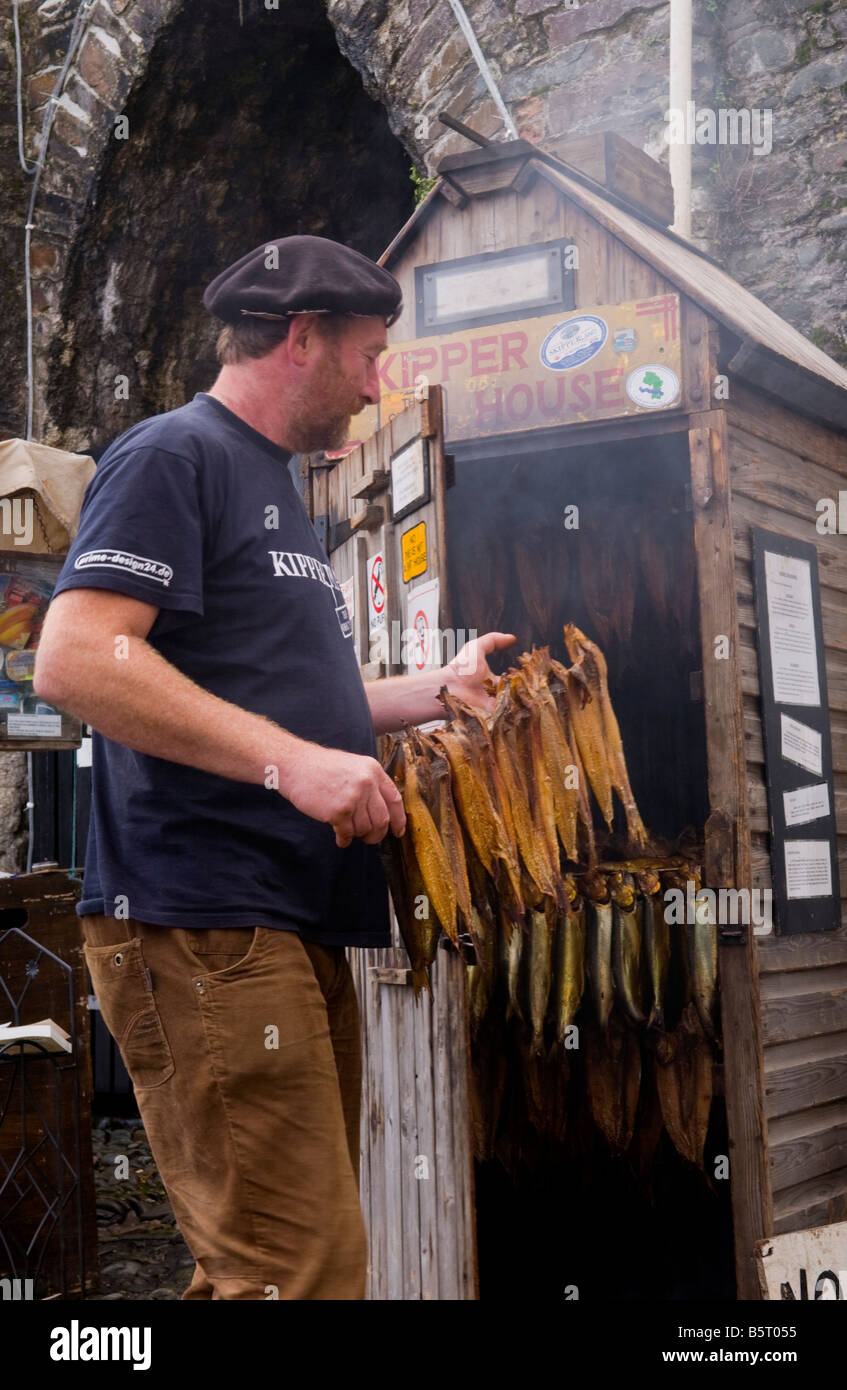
(739, 985)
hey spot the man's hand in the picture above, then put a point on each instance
(466, 673)
(345, 790)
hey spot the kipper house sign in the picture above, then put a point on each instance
(562, 368)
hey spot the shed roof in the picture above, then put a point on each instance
(773, 355)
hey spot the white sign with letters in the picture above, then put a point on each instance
(791, 616)
(801, 745)
(806, 804)
(408, 478)
(808, 868)
(802, 1266)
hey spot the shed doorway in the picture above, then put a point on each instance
(540, 532)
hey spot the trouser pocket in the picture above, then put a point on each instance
(221, 948)
(124, 991)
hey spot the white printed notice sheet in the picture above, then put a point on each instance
(806, 804)
(808, 868)
(802, 745)
(791, 619)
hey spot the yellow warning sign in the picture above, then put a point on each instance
(413, 545)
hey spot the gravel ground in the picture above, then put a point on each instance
(142, 1254)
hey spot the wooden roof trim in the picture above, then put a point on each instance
(702, 281)
(426, 206)
(782, 377)
(421, 212)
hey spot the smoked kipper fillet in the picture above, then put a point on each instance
(589, 660)
(429, 850)
(418, 924)
(443, 811)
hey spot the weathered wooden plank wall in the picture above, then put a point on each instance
(781, 466)
(416, 1176)
(608, 271)
(416, 1167)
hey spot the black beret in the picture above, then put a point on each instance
(302, 274)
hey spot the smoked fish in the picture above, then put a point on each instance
(627, 946)
(588, 659)
(569, 962)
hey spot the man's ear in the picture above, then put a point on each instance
(302, 336)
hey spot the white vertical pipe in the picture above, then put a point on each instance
(680, 95)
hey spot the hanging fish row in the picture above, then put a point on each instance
(616, 944)
(619, 980)
(497, 806)
(633, 1084)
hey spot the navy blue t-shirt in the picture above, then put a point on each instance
(197, 512)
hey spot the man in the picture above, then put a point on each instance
(237, 803)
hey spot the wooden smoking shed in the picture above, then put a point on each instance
(560, 349)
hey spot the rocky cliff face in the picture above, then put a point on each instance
(187, 133)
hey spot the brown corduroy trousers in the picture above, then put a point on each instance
(242, 1044)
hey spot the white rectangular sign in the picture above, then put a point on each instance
(791, 618)
(492, 289)
(801, 745)
(408, 476)
(808, 868)
(377, 592)
(808, 1265)
(806, 804)
(422, 639)
(34, 725)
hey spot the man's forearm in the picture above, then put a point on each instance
(145, 703)
(400, 700)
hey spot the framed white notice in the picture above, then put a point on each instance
(794, 659)
(410, 478)
(808, 868)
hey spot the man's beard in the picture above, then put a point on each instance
(307, 435)
(320, 419)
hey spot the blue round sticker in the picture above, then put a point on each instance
(573, 342)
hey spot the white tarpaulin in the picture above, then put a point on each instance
(55, 481)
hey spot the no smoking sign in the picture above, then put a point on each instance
(376, 592)
(422, 639)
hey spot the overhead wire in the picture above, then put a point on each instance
(34, 171)
(78, 28)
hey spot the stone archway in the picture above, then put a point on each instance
(186, 135)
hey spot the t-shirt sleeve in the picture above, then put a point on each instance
(141, 531)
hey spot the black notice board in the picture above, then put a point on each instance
(798, 748)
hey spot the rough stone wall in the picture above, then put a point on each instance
(13, 821)
(186, 135)
(776, 221)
